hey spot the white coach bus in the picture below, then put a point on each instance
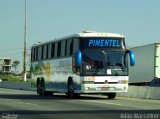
(84, 63)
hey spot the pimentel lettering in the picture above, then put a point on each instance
(103, 43)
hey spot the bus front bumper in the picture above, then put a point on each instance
(89, 88)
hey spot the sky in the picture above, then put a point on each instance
(137, 20)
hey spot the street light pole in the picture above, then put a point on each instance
(25, 41)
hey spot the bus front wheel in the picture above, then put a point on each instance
(71, 89)
(111, 95)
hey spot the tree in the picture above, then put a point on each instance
(15, 64)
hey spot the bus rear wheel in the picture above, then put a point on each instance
(38, 86)
(41, 88)
(111, 95)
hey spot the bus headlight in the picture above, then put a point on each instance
(86, 88)
(123, 82)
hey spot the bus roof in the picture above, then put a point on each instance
(84, 34)
(98, 34)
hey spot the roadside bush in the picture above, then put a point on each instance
(8, 77)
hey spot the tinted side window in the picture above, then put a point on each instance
(36, 53)
(32, 54)
(39, 52)
(59, 49)
(42, 50)
(56, 48)
(65, 48)
(47, 47)
(52, 50)
(71, 47)
(49, 50)
(75, 44)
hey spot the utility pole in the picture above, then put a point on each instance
(25, 41)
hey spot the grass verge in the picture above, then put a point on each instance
(12, 78)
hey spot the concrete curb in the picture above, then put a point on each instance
(16, 85)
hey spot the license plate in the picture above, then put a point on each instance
(104, 88)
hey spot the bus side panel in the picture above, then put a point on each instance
(55, 73)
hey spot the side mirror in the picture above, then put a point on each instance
(132, 57)
(78, 58)
(77, 61)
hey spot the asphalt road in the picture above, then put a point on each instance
(19, 104)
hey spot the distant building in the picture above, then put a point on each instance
(5, 65)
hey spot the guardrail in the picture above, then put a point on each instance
(145, 92)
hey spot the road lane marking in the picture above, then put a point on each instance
(27, 103)
(92, 101)
(106, 103)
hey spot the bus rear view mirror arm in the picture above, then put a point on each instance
(132, 57)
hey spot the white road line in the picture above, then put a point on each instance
(27, 103)
(92, 101)
(24, 103)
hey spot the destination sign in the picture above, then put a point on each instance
(102, 43)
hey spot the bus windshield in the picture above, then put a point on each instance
(97, 63)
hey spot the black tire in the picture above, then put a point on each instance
(111, 95)
(42, 88)
(38, 86)
(71, 93)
